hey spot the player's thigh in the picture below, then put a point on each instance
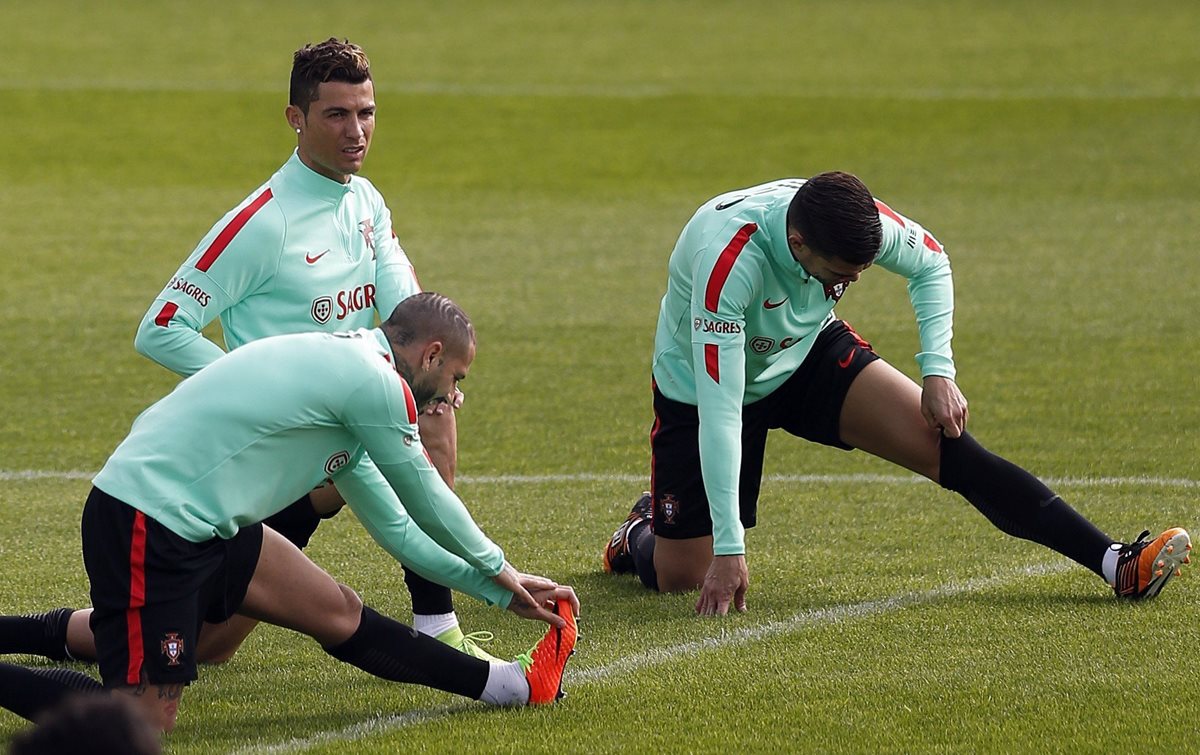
(326, 500)
(218, 642)
(882, 416)
(682, 564)
(290, 591)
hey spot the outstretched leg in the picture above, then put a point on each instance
(882, 416)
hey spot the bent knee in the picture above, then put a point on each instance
(349, 613)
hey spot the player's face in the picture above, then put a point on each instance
(336, 133)
(439, 382)
(829, 271)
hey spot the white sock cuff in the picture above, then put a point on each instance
(433, 624)
(506, 685)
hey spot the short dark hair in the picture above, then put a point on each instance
(837, 216)
(332, 60)
(430, 316)
(99, 723)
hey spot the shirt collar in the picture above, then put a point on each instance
(385, 345)
(313, 183)
(777, 243)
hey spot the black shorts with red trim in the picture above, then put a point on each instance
(808, 405)
(151, 589)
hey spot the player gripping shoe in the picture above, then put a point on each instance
(1143, 567)
(617, 558)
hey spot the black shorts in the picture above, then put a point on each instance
(151, 589)
(808, 405)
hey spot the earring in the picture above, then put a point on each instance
(297, 131)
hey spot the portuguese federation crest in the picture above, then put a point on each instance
(172, 648)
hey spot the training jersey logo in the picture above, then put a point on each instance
(311, 258)
(367, 229)
(761, 344)
(322, 309)
(336, 462)
(189, 289)
(704, 325)
(172, 648)
(343, 304)
(768, 304)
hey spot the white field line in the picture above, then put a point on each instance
(633, 90)
(629, 665)
(1076, 482)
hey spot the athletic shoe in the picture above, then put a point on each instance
(544, 664)
(468, 643)
(617, 558)
(1144, 567)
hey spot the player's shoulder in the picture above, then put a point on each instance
(761, 197)
(901, 231)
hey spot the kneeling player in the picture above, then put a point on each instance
(747, 342)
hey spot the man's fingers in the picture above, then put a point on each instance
(567, 593)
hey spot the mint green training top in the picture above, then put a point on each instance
(301, 253)
(741, 314)
(245, 437)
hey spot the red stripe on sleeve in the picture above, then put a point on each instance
(228, 232)
(164, 316)
(137, 598)
(933, 245)
(720, 271)
(884, 209)
(712, 363)
(410, 403)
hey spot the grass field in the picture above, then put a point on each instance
(540, 159)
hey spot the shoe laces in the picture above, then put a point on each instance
(477, 638)
(525, 659)
(1137, 546)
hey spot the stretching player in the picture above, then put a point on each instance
(312, 249)
(170, 536)
(747, 342)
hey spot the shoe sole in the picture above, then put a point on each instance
(1167, 561)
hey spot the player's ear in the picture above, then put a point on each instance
(431, 355)
(295, 117)
(795, 240)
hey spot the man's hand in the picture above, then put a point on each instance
(534, 596)
(455, 401)
(943, 406)
(726, 582)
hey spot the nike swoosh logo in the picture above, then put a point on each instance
(310, 259)
(845, 361)
(768, 304)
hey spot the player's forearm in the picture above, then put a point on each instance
(163, 337)
(400, 537)
(441, 514)
(720, 466)
(932, 297)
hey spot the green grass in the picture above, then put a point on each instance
(540, 159)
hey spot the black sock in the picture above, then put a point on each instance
(398, 653)
(37, 634)
(1019, 503)
(428, 598)
(641, 547)
(27, 692)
